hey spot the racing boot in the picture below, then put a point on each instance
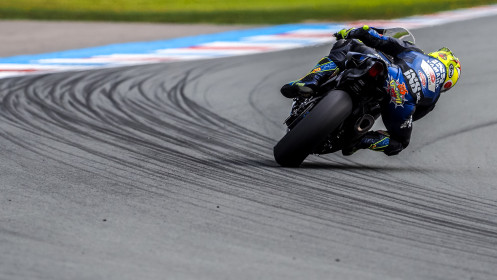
(373, 140)
(307, 85)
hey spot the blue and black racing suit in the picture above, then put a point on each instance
(413, 83)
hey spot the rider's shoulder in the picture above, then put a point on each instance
(413, 53)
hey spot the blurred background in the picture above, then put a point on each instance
(89, 23)
(221, 11)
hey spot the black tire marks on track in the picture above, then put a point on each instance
(145, 128)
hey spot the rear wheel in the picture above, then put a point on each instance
(311, 131)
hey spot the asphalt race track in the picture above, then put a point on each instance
(165, 171)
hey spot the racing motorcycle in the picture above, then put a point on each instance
(343, 108)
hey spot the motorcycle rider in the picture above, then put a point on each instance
(414, 83)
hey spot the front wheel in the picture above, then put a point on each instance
(313, 129)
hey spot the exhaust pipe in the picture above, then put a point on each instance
(364, 124)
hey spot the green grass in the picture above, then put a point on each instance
(224, 11)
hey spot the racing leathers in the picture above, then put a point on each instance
(413, 85)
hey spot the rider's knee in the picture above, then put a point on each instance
(395, 147)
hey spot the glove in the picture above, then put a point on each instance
(342, 34)
(345, 33)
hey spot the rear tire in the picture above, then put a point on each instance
(311, 131)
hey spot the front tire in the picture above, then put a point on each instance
(312, 130)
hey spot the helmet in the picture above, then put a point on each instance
(452, 67)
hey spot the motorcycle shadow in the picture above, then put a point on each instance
(342, 166)
(269, 163)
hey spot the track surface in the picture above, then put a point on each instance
(166, 172)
